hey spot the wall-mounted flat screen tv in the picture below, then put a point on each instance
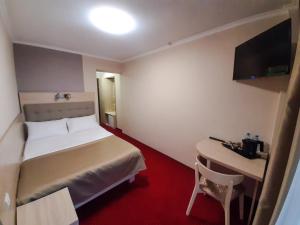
(266, 55)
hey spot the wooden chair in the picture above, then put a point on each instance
(222, 187)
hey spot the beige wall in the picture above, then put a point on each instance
(8, 85)
(11, 136)
(174, 98)
(90, 67)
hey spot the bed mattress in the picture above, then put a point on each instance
(85, 169)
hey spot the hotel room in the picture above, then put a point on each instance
(149, 112)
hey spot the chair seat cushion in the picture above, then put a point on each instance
(218, 191)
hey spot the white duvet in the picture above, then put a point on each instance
(43, 146)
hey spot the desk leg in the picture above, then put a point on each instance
(253, 202)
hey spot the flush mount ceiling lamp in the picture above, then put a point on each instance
(112, 20)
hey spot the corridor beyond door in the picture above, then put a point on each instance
(108, 89)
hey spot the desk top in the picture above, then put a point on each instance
(53, 209)
(216, 152)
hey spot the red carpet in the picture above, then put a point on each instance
(159, 196)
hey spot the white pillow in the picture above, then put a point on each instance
(82, 123)
(37, 130)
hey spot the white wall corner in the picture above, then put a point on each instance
(65, 50)
(6, 20)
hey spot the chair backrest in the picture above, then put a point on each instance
(216, 177)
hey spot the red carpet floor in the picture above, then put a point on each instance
(159, 196)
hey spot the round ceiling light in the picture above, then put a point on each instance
(112, 20)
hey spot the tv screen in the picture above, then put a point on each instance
(266, 55)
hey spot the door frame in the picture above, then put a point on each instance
(99, 97)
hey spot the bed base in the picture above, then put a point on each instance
(129, 178)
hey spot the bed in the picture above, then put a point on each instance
(89, 162)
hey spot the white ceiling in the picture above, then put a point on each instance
(64, 23)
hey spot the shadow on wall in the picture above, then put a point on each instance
(274, 84)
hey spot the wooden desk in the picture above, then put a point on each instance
(53, 209)
(214, 151)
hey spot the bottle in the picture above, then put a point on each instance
(248, 135)
(256, 138)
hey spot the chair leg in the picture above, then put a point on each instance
(241, 205)
(227, 215)
(192, 200)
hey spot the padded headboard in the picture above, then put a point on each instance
(55, 111)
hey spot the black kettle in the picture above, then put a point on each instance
(250, 147)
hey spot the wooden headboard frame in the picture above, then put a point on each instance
(49, 97)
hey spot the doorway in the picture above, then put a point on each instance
(107, 88)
